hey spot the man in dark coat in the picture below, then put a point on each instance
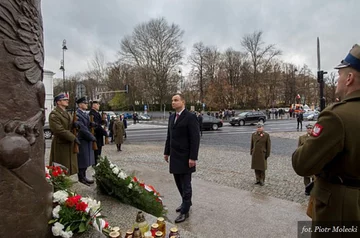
(86, 156)
(100, 132)
(182, 146)
(62, 145)
(332, 153)
(260, 151)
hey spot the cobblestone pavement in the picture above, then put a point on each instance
(224, 166)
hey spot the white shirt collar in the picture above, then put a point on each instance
(180, 112)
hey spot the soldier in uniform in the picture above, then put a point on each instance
(62, 145)
(332, 152)
(118, 130)
(260, 151)
(100, 132)
(302, 139)
(86, 156)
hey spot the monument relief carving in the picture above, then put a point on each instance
(25, 196)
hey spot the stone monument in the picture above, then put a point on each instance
(25, 196)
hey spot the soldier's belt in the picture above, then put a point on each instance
(342, 181)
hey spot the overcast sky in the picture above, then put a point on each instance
(293, 25)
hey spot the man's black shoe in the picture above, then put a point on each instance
(261, 184)
(181, 218)
(83, 181)
(89, 181)
(257, 183)
(178, 209)
(307, 194)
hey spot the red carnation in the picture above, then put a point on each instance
(81, 206)
(55, 173)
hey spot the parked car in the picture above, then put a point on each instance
(145, 117)
(47, 132)
(127, 115)
(211, 123)
(311, 115)
(247, 118)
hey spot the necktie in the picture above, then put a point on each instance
(176, 117)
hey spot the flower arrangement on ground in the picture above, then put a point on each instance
(75, 214)
(58, 177)
(113, 181)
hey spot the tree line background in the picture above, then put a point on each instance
(150, 61)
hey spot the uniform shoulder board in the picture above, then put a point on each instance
(337, 104)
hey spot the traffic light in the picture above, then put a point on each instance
(126, 88)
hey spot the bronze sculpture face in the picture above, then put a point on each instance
(25, 196)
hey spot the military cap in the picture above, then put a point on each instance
(309, 126)
(61, 96)
(259, 124)
(81, 100)
(352, 59)
(94, 102)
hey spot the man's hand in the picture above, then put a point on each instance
(166, 158)
(192, 163)
(77, 141)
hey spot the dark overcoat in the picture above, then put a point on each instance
(182, 142)
(62, 145)
(332, 153)
(100, 132)
(86, 155)
(260, 150)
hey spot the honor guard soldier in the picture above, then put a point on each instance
(302, 139)
(260, 151)
(86, 156)
(62, 144)
(332, 152)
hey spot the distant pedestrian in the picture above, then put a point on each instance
(260, 151)
(125, 124)
(200, 120)
(300, 118)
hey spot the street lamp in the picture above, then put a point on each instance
(62, 62)
(181, 80)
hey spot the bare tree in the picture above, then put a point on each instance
(260, 57)
(330, 87)
(196, 60)
(156, 47)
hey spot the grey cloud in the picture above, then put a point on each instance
(292, 25)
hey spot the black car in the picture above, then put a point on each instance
(211, 123)
(47, 131)
(247, 118)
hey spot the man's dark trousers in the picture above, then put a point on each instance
(183, 183)
(97, 153)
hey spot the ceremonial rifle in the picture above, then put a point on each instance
(94, 145)
(74, 129)
(320, 77)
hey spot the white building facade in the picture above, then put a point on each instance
(49, 93)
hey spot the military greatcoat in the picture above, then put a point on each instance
(62, 145)
(260, 150)
(86, 155)
(332, 153)
(118, 131)
(302, 139)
